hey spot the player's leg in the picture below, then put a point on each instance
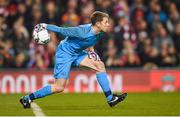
(57, 87)
(61, 74)
(101, 74)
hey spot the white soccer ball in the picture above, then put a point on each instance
(41, 37)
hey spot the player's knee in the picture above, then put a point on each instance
(100, 67)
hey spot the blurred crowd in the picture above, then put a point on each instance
(144, 33)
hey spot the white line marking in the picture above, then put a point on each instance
(37, 110)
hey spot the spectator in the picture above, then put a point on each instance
(162, 37)
(112, 54)
(104, 6)
(20, 61)
(20, 35)
(156, 14)
(86, 10)
(70, 18)
(51, 16)
(149, 55)
(174, 19)
(129, 58)
(176, 37)
(169, 57)
(36, 14)
(121, 8)
(138, 7)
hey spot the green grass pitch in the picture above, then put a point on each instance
(95, 104)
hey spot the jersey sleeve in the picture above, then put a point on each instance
(69, 31)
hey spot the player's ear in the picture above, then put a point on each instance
(98, 24)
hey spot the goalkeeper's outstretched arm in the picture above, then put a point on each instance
(69, 31)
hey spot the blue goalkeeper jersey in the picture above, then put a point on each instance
(76, 38)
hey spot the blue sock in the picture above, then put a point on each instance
(104, 83)
(40, 93)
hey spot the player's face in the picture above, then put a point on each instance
(104, 24)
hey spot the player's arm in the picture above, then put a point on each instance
(68, 31)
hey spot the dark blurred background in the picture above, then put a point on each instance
(144, 33)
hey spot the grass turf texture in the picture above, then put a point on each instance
(95, 104)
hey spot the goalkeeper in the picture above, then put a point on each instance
(77, 49)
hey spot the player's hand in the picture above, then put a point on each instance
(40, 27)
(93, 55)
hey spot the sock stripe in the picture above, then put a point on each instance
(31, 96)
(108, 93)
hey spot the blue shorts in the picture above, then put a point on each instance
(64, 61)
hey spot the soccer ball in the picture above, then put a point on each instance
(41, 37)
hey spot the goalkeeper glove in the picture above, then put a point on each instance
(40, 27)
